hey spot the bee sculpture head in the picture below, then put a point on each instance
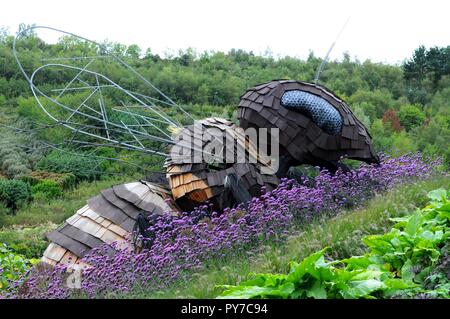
(315, 126)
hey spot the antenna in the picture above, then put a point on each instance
(325, 60)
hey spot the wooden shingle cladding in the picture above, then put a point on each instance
(300, 138)
(107, 218)
(199, 182)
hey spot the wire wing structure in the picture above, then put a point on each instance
(90, 96)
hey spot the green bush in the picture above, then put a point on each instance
(64, 180)
(82, 167)
(14, 193)
(410, 116)
(46, 190)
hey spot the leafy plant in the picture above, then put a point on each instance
(46, 190)
(64, 180)
(12, 266)
(29, 242)
(408, 261)
(83, 167)
(14, 193)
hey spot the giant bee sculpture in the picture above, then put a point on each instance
(315, 127)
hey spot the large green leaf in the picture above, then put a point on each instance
(362, 288)
(356, 262)
(437, 194)
(317, 291)
(413, 224)
(307, 265)
(407, 271)
(247, 292)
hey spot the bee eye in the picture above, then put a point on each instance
(322, 113)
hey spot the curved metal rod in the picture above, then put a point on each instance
(101, 46)
(35, 89)
(38, 94)
(111, 126)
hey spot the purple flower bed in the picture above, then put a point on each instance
(185, 243)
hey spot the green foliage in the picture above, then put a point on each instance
(14, 163)
(12, 266)
(390, 117)
(410, 116)
(374, 104)
(432, 139)
(46, 190)
(361, 115)
(17, 155)
(82, 167)
(63, 180)
(211, 83)
(14, 194)
(424, 71)
(27, 241)
(408, 261)
(59, 209)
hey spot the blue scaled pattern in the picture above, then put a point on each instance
(318, 109)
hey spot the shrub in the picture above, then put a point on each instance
(2, 100)
(64, 180)
(82, 167)
(411, 116)
(14, 193)
(13, 163)
(391, 117)
(46, 190)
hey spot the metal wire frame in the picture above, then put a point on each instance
(139, 132)
(63, 147)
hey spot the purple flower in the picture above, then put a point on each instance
(184, 243)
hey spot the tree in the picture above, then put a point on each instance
(411, 116)
(25, 29)
(134, 51)
(14, 193)
(391, 118)
(424, 71)
(416, 67)
(4, 33)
